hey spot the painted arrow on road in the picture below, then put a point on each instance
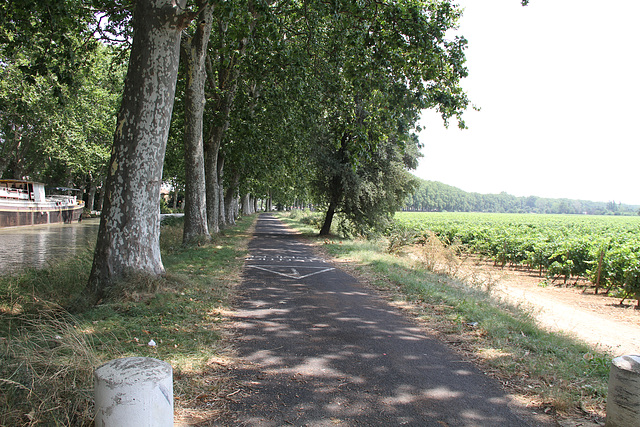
(293, 272)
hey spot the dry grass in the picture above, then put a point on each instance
(430, 254)
(47, 357)
(49, 363)
(439, 258)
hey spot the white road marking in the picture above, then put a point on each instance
(294, 272)
(280, 258)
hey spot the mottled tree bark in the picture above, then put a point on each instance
(194, 50)
(212, 148)
(222, 220)
(214, 162)
(230, 199)
(247, 204)
(129, 233)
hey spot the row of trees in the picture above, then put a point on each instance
(433, 196)
(234, 100)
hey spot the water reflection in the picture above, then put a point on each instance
(36, 246)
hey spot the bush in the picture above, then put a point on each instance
(438, 257)
(399, 237)
(296, 213)
(165, 209)
(314, 219)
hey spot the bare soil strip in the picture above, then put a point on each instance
(598, 320)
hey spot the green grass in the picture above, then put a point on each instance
(553, 370)
(306, 222)
(47, 356)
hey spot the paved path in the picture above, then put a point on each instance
(319, 349)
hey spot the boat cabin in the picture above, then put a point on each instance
(22, 190)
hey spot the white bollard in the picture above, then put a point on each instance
(623, 398)
(134, 391)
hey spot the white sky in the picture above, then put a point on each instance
(558, 84)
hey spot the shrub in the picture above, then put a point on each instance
(399, 237)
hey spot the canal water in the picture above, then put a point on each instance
(37, 246)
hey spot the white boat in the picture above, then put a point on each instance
(25, 203)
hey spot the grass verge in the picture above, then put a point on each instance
(547, 370)
(47, 357)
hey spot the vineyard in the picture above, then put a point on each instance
(604, 250)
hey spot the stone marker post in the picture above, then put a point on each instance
(134, 391)
(623, 398)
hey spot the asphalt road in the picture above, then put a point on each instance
(319, 349)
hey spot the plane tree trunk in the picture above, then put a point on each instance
(92, 189)
(222, 219)
(335, 194)
(129, 233)
(231, 200)
(212, 148)
(247, 207)
(194, 50)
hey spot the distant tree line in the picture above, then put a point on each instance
(434, 196)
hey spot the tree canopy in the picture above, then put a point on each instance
(310, 101)
(309, 77)
(59, 89)
(382, 64)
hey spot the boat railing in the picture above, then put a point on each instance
(14, 193)
(63, 200)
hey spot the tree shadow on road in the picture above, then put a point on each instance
(322, 350)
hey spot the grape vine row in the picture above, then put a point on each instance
(602, 249)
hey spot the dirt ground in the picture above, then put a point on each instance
(595, 319)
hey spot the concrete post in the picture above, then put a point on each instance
(134, 391)
(623, 398)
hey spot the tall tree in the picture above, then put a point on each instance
(235, 24)
(194, 52)
(128, 237)
(384, 63)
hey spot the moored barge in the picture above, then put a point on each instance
(25, 203)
